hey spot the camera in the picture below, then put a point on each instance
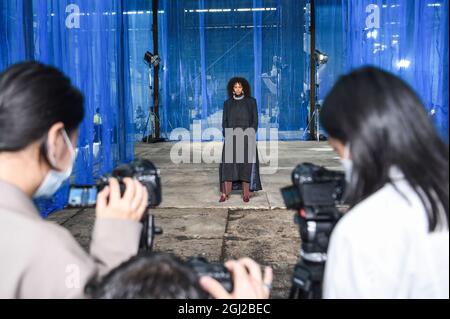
(85, 196)
(315, 195)
(216, 271)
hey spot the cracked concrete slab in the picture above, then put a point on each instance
(275, 224)
(194, 223)
(186, 247)
(61, 217)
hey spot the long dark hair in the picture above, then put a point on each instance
(34, 97)
(386, 125)
(241, 81)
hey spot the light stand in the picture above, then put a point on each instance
(153, 61)
(320, 60)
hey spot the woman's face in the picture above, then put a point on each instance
(238, 90)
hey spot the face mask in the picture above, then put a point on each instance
(347, 163)
(54, 178)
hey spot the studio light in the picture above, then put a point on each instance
(151, 59)
(320, 57)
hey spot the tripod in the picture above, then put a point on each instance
(307, 281)
(149, 231)
(153, 118)
(315, 120)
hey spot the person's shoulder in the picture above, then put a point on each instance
(34, 231)
(389, 210)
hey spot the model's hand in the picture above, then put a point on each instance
(132, 206)
(248, 280)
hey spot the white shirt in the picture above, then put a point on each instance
(383, 249)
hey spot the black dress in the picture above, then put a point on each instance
(240, 114)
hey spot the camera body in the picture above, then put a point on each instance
(142, 170)
(315, 194)
(216, 271)
(83, 196)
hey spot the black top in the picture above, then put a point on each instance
(240, 114)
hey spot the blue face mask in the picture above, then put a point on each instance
(347, 163)
(54, 178)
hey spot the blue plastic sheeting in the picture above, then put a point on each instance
(330, 40)
(88, 41)
(408, 38)
(203, 44)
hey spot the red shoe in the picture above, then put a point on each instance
(224, 198)
(246, 199)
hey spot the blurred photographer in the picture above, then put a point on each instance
(164, 276)
(149, 276)
(40, 113)
(394, 242)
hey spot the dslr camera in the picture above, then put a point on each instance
(85, 196)
(315, 195)
(216, 271)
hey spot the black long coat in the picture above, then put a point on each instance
(240, 114)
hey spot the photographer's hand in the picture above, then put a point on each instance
(248, 281)
(132, 206)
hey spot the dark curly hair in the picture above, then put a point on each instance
(241, 81)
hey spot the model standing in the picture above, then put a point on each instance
(239, 169)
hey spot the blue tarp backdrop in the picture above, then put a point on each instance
(206, 43)
(408, 38)
(203, 43)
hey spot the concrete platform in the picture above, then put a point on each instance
(196, 224)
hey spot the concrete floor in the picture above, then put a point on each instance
(196, 224)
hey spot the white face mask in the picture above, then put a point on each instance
(347, 163)
(55, 179)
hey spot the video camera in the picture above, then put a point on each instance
(85, 196)
(315, 195)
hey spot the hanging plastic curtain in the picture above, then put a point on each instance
(206, 43)
(15, 26)
(139, 16)
(329, 51)
(329, 41)
(87, 40)
(408, 38)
